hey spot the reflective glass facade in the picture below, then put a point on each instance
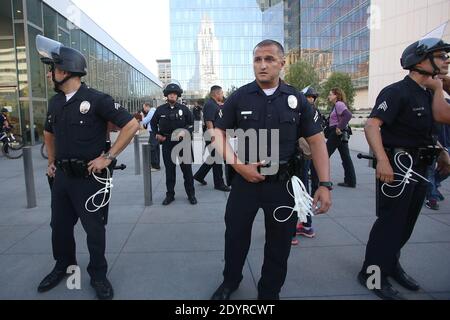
(23, 84)
(212, 41)
(333, 36)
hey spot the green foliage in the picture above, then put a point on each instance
(302, 74)
(342, 81)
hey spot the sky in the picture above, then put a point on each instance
(142, 27)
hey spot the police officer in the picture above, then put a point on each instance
(211, 113)
(169, 118)
(400, 131)
(75, 137)
(267, 103)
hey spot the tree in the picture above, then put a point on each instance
(231, 91)
(301, 74)
(342, 81)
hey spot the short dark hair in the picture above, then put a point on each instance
(147, 104)
(269, 42)
(214, 89)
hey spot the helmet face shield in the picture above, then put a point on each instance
(433, 41)
(48, 49)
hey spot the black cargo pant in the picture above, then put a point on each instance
(395, 224)
(216, 167)
(69, 196)
(167, 148)
(243, 205)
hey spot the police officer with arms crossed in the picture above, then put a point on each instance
(75, 136)
(400, 131)
(267, 103)
(167, 119)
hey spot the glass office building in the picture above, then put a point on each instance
(212, 41)
(332, 35)
(23, 85)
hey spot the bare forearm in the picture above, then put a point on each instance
(209, 125)
(373, 136)
(224, 148)
(441, 109)
(49, 140)
(126, 135)
(320, 157)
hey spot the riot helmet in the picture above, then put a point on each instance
(310, 92)
(56, 55)
(173, 87)
(424, 49)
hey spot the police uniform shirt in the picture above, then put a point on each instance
(80, 124)
(406, 111)
(167, 119)
(211, 111)
(287, 110)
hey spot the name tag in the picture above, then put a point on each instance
(246, 113)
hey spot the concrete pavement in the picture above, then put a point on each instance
(176, 252)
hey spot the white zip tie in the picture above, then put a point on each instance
(406, 175)
(106, 192)
(303, 202)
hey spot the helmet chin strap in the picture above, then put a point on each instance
(58, 84)
(435, 72)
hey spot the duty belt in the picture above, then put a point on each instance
(73, 168)
(423, 156)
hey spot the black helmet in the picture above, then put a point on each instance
(423, 49)
(64, 58)
(4, 110)
(420, 50)
(311, 92)
(173, 87)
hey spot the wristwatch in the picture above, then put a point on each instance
(328, 185)
(109, 156)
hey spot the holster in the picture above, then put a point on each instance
(422, 157)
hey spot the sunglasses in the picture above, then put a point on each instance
(51, 68)
(443, 57)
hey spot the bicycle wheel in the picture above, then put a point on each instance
(44, 151)
(11, 153)
(16, 142)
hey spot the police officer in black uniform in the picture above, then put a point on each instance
(401, 126)
(168, 119)
(268, 103)
(211, 113)
(75, 137)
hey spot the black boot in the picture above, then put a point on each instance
(103, 288)
(193, 200)
(168, 200)
(224, 292)
(404, 279)
(386, 292)
(52, 280)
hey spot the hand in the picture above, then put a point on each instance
(338, 132)
(250, 172)
(385, 173)
(160, 138)
(51, 170)
(434, 84)
(443, 163)
(322, 197)
(181, 135)
(98, 165)
(446, 83)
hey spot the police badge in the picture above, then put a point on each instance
(293, 102)
(85, 106)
